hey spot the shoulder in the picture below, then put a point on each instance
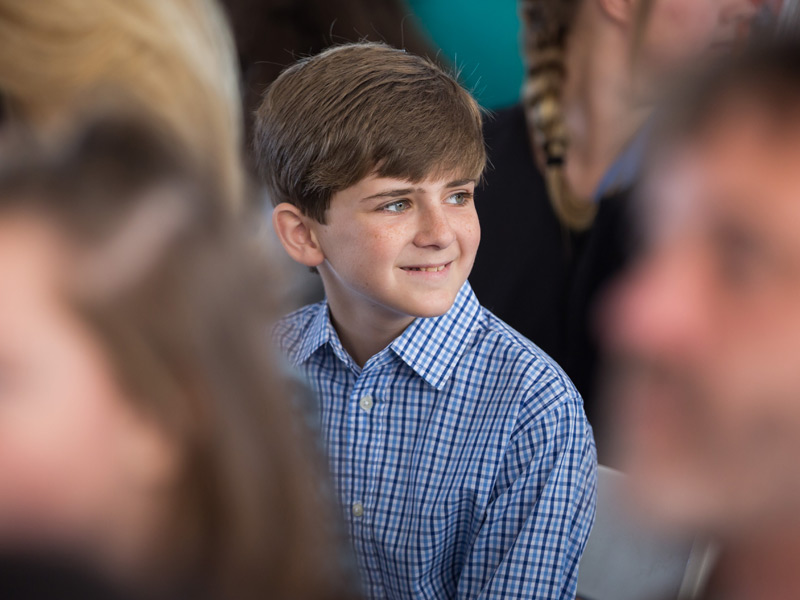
(539, 382)
(289, 332)
(550, 427)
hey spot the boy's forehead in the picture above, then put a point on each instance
(378, 185)
(435, 178)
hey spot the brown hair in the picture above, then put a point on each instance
(548, 24)
(332, 119)
(174, 58)
(184, 320)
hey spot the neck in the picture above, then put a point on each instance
(363, 328)
(600, 109)
(762, 565)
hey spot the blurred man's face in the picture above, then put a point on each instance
(706, 328)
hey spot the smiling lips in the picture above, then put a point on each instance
(428, 269)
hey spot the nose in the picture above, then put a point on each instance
(659, 308)
(434, 229)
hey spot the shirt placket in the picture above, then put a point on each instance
(366, 440)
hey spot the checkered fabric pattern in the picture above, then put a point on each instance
(461, 455)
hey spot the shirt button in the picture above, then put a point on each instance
(358, 509)
(366, 403)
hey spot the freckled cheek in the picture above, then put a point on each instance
(469, 234)
(383, 245)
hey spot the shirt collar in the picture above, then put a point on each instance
(319, 332)
(625, 169)
(433, 346)
(430, 346)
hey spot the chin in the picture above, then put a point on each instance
(431, 313)
(438, 304)
(429, 308)
(422, 302)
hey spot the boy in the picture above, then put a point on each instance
(459, 450)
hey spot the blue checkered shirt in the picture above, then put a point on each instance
(461, 453)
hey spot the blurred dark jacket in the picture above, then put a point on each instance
(29, 577)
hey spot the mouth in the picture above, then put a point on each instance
(428, 268)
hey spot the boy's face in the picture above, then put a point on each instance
(402, 248)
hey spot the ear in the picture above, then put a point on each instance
(622, 12)
(297, 235)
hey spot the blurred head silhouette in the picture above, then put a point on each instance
(174, 58)
(144, 428)
(705, 329)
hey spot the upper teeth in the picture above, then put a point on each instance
(428, 269)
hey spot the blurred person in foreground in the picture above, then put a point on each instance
(175, 58)
(554, 203)
(145, 432)
(704, 331)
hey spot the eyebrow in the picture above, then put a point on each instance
(397, 193)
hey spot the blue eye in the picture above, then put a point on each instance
(459, 198)
(396, 207)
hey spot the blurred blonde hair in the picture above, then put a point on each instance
(175, 59)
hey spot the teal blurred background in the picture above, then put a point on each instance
(482, 39)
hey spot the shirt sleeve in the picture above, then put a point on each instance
(542, 509)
